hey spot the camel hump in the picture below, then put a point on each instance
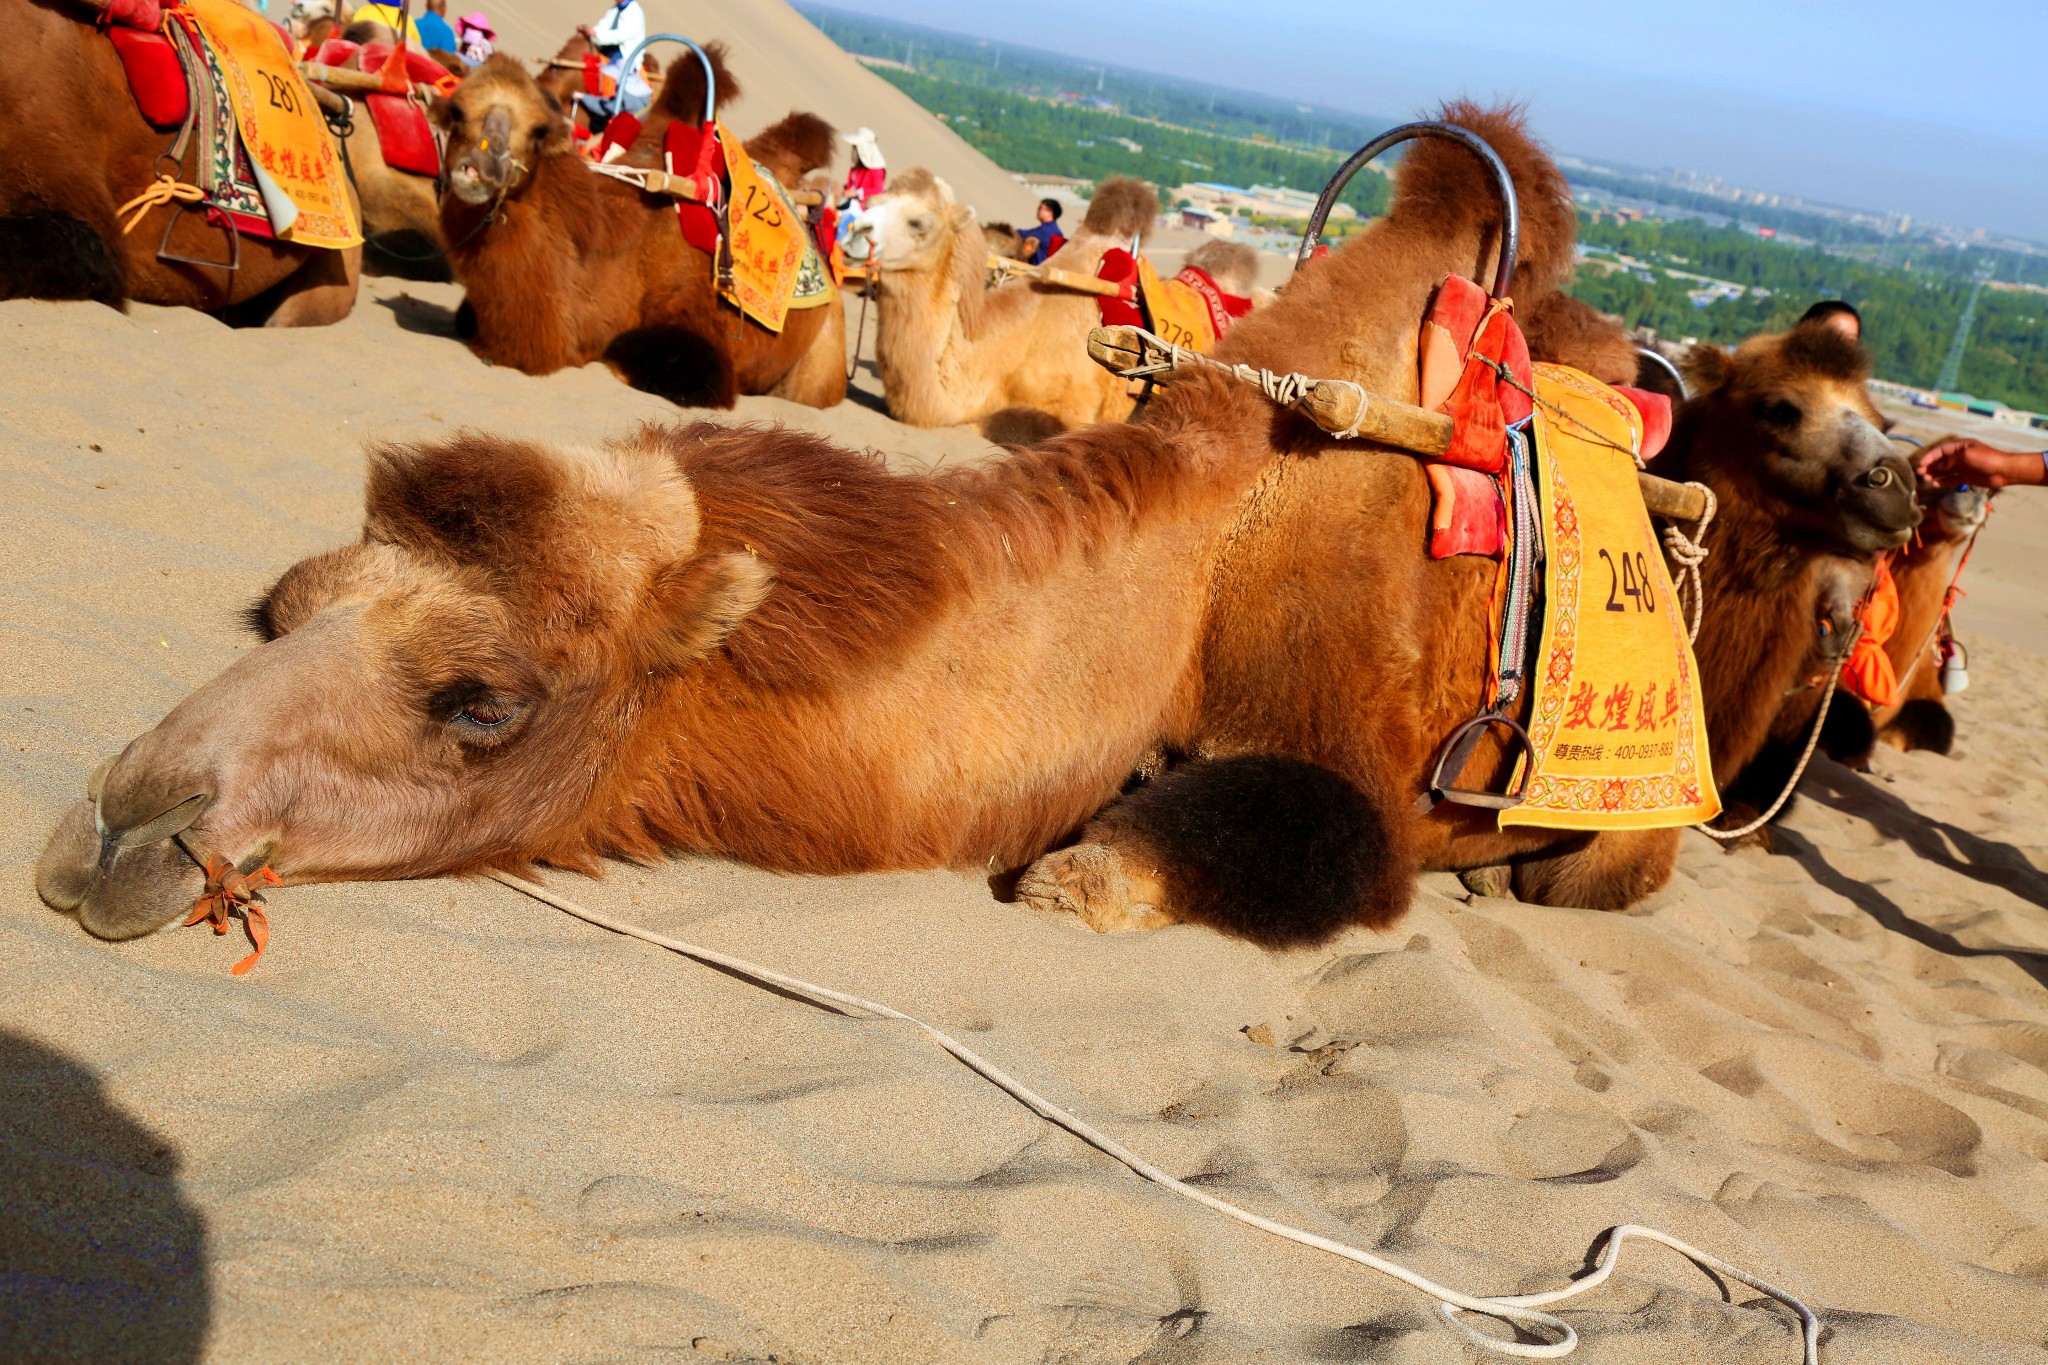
(1122, 208)
(1566, 331)
(799, 144)
(1232, 265)
(1443, 182)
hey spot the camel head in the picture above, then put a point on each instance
(453, 691)
(913, 226)
(500, 123)
(1784, 425)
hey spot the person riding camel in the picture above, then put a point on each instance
(1042, 241)
(616, 37)
(479, 40)
(869, 172)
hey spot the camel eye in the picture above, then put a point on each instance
(476, 712)
(490, 715)
(919, 225)
(1780, 412)
(454, 112)
(541, 130)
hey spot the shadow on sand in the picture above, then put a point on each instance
(102, 1257)
(1940, 843)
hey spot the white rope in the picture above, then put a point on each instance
(1523, 1310)
(1688, 553)
(1812, 741)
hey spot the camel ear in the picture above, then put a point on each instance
(1706, 368)
(701, 602)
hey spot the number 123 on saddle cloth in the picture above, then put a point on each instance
(1617, 728)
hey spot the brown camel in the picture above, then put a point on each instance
(84, 151)
(1918, 717)
(950, 350)
(563, 266)
(756, 643)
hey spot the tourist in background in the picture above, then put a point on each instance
(1046, 238)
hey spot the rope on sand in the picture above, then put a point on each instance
(1556, 1337)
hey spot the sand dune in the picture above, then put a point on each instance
(783, 62)
(442, 1121)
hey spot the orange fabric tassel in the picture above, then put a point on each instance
(228, 890)
(1869, 674)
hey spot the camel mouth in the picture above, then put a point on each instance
(115, 889)
(470, 184)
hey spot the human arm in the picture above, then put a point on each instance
(1960, 459)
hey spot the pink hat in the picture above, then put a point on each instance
(477, 20)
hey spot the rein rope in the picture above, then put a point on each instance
(1820, 719)
(1557, 1337)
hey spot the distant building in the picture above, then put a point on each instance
(1216, 225)
(1267, 201)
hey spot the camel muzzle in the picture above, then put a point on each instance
(117, 860)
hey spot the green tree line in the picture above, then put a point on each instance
(1057, 137)
(1909, 313)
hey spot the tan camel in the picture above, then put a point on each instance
(756, 643)
(950, 350)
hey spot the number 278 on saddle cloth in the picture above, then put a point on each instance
(1617, 731)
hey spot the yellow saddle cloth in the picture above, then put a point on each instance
(1178, 313)
(775, 266)
(1617, 730)
(297, 168)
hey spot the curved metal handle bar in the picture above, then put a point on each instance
(1663, 362)
(632, 64)
(1511, 219)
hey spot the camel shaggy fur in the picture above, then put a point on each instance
(951, 350)
(83, 151)
(755, 643)
(563, 266)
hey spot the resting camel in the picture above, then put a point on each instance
(950, 350)
(401, 209)
(86, 150)
(757, 643)
(563, 266)
(1918, 717)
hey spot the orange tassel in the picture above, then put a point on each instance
(228, 890)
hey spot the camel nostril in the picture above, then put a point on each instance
(1879, 477)
(174, 820)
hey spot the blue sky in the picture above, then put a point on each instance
(1941, 111)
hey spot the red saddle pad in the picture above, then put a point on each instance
(155, 75)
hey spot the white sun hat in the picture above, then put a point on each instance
(866, 150)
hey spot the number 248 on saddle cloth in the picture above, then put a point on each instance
(1617, 729)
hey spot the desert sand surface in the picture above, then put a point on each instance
(443, 1121)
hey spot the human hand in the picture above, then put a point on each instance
(1959, 459)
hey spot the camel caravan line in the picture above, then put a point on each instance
(1128, 669)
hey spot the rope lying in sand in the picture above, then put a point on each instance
(1522, 1310)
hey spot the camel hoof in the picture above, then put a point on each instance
(1496, 882)
(1087, 881)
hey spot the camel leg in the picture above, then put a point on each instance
(1609, 871)
(818, 379)
(321, 291)
(1271, 849)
